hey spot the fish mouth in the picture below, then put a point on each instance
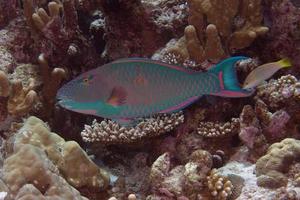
(65, 102)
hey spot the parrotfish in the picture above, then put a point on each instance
(263, 72)
(132, 88)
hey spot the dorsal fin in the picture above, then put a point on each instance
(147, 60)
(117, 97)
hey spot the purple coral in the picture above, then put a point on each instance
(277, 124)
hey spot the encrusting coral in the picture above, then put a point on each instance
(65, 155)
(271, 168)
(216, 28)
(109, 132)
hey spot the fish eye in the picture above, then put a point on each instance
(86, 80)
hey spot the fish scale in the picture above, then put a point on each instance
(131, 88)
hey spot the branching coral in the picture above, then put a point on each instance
(109, 132)
(39, 19)
(276, 93)
(20, 99)
(212, 129)
(58, 36)
(51, 81)
(4, 84)
(219, 186)
(216, 28)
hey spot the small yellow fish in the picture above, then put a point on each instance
(263, 72)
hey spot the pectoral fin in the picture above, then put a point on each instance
(117, 97)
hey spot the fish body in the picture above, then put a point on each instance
(133, 88)
(263, 72)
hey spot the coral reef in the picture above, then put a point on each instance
(212, 129)
(29, 174)
(110, 132)
(283, 37)
(217, 148)
(65, 155)
(51, 79)
(20, 99)
(124, 35)
(276, 93)
(219, 186)
(217, 28)
(59, 38)
(181, 181)
(270, 168)
(8, 10)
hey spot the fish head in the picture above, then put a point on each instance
(79, 90)
(250, 84)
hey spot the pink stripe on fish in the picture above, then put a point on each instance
(181, 105)
(89, 112)
(221, 80)
(227, 93)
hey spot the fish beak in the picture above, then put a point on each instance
(66, 103)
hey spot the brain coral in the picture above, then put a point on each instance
(271, 167)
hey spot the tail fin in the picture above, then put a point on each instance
(285, 62)
(229, 84)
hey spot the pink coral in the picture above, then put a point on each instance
(277, 124)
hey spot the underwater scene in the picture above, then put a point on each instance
(149, 99)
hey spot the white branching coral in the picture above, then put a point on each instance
(215, 129)
(110, 132)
